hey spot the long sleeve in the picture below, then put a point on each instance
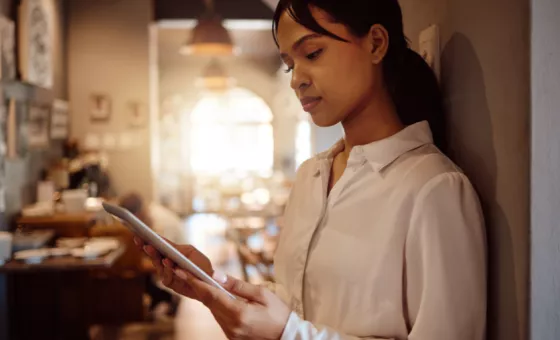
(446, 262)
(298, 329)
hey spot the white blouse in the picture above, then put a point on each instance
(396, 251)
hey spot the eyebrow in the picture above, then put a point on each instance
(300, 42)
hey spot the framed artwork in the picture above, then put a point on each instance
(100, 108)
(60, 120)
(38, 127)
(7, 49)
(36, 42)
(137, 114)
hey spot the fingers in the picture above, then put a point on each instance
(138, 241)
(168, 275)
(187, 250)
(208, 295)
(172, 281)
(245, 290)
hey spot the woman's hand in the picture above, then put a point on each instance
(261, 316)
(165, 267)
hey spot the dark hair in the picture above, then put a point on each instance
(411, 82)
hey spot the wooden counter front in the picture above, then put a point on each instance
(65, 225)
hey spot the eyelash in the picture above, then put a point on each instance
(310, 56)
(314, 55)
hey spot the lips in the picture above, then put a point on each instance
(309, 103)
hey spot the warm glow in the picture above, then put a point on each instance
(231, 133)
(215, 83)
(210, 49)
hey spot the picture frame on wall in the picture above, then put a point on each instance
(7, 49)
(137, 114)
(35, 29)
(60, 120)
(38, 127)
(100, 108)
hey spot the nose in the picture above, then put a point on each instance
(300, 79)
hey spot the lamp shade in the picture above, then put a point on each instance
(210, 38)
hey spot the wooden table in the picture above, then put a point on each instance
(64, 263)
(51, 300)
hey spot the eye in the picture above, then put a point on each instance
(289, 69)
(314, 55)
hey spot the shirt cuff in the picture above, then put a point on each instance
(291, 329)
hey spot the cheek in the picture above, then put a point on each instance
(351, 78)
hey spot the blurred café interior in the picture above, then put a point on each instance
(179, 111)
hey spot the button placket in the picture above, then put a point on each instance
(300, 276)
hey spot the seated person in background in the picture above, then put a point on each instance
(167, 224)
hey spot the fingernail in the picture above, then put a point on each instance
(220, 277)
(145, 249)
(136, 242)
(181, 274)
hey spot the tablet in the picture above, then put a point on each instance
(164, 247)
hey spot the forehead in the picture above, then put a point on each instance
(290, 31)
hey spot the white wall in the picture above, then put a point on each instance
(545, 175)
(485, 79)
(108, 53)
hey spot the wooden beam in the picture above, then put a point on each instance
(227, 9)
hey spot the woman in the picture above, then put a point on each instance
(383, 237)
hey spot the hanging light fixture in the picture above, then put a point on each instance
(209, 37)
(215, 77)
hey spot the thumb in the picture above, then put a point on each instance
(241, 288)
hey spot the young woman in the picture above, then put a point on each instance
(383, 237)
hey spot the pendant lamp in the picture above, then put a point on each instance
(209, 37)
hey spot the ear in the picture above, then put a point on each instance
(379, 39)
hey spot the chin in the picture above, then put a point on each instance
(324, 120)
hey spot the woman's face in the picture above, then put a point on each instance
(333, 79)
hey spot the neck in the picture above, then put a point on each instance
(376, 120)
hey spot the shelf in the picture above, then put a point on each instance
(22, 91)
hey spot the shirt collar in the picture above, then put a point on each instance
(381, 153)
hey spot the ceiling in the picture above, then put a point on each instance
(227, 9)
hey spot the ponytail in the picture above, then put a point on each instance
(416, 93)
